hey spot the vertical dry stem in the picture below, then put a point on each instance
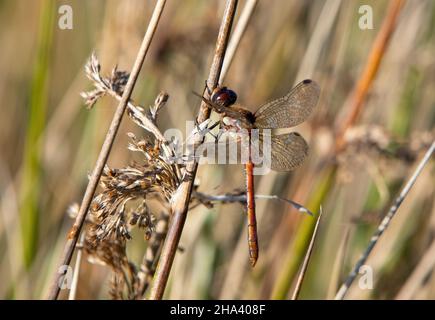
(181, 199)
(105, 150)
(355, 103)
(307, 258)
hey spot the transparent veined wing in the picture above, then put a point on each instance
(291, 109)
(287, 151)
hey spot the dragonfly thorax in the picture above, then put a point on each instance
(244, 118)
(232, 123)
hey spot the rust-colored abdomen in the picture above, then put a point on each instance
(252, 220)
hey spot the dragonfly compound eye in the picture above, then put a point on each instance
(223, 96)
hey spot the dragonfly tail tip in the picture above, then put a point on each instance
(253, 261)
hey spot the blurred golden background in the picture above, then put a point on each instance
(49, 143)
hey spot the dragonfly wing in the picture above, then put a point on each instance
(290, 110)
(287, 151)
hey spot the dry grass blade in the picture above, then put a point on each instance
(417, 278)
(152, 255)
(241, 197)
(105, 150)
(355, 101)
(318, 40)
(307, 258)
(337, 267)
(180, 201)
(75, 280)
(384, 224)
(239, 30)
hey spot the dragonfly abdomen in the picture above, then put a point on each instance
(252, 220)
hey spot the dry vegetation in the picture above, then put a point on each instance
(373, 123)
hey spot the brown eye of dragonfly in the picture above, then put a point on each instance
(223, 96)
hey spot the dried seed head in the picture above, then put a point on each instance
(116, 82)
(115, 210)
(121, 205)
(159, 103)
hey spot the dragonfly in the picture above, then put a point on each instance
(288, 151)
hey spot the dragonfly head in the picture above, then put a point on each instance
(223, 96)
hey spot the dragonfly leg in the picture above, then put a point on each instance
(214, 125)
(220, 133)
(223, 129)
(204, 130)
